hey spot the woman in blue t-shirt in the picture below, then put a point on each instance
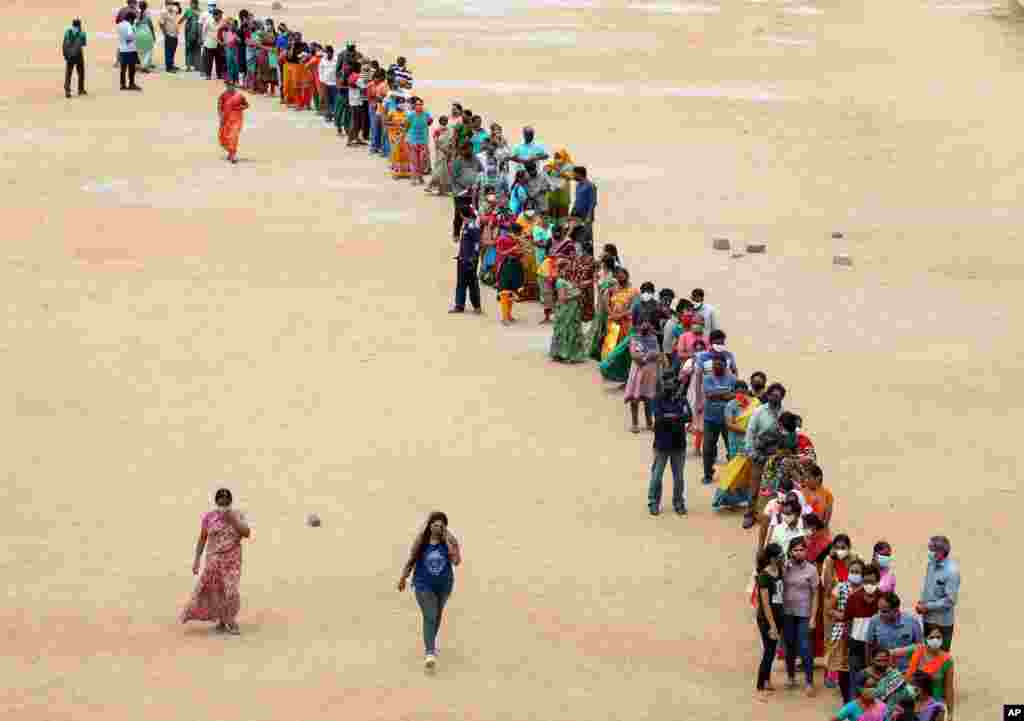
(435, 552)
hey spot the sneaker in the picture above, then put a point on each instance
(653, 510)
(681, 510)
(430, 662)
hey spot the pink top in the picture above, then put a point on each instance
(887, 582)
(221, 536)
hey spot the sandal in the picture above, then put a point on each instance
(233, 629)
(634, 429)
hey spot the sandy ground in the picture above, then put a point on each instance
(171, 321)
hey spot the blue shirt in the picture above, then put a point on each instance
(714, 411)
(517, 200)
(478, 141)
(941, 588)
(417, 134)
(905, 632)
(585, 201)
(433, 569)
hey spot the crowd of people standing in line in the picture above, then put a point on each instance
(522, 228)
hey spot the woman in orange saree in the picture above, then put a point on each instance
(401, 160)
(231, 106)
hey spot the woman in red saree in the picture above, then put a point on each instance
(216, 596)
(230, 106)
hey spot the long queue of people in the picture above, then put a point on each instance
(520, 229)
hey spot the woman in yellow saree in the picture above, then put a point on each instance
(616, 362)
(401, 160)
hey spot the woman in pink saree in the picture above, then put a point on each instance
(216, 596)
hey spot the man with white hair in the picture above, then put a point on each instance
(941, 590)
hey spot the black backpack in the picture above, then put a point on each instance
(73, 46)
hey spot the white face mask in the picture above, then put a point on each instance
(855, 579)
(842, 553)
(934, 643)
(491, 198)
(647, 297)
(870, 588)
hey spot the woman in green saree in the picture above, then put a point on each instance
(567, 338)
(145, 39)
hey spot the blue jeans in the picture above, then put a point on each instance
(432, 606)
(662, 459)
(713, 430)
(170, 47)
(376, 134)
(797, 637)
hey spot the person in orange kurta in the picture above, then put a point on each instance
(231, 106)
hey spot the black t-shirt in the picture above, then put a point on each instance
(669, 433)
(772, 584)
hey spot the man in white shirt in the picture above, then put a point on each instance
(169, 21)
(128, 53)
(329, 81)
(704, 310)
(208, 37)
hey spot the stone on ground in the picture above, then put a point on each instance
(313, 520)
(720, 244)
(842, 259)
(756, 247)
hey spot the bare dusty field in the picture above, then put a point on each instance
(172, 320)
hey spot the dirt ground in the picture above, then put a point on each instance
(172, 320)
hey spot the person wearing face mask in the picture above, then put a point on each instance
(800, 584)
(863, 708)
(788, 525)
(216, 596)
(643, 374)
(567, 335)
(538, 187)
(718, 390)
(705, 311)
(466, 280)
(615, 358)
(882, 557)
(890, 686)
(932, 674)
(816, 495)
(674, 329)
(861, 606)
(765, 418)
(758, 381)
(837, 662)
(941, 590)
(893, 630)
(770, 612)
(489, 169)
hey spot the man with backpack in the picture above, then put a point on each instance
(74, 57)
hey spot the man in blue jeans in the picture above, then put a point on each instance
(671, 414)
(719, 389)
(466, 280)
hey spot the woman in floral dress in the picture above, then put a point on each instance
(216, 596)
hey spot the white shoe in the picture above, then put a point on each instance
(430, 662)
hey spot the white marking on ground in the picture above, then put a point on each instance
(681, 9)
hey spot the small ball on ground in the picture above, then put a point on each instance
(313, 520)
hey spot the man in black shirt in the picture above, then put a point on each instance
(466, 262)
(671, 414)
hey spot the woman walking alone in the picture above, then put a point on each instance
(216, 596)
(434, 554)
(231, 106)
